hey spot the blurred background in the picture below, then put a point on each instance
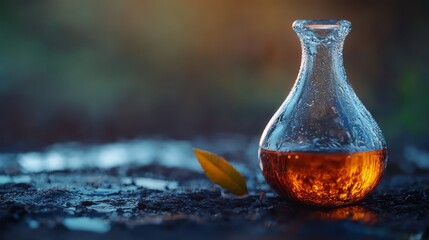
(103, 71)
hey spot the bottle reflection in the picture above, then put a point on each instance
(285, 212)
(353, 213)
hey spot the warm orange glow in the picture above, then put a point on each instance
(354, 213)
(323, 179)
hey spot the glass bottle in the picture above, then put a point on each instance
(322, 147)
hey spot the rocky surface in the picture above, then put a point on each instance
(156, 201)
(99, 204)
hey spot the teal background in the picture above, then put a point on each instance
(96, 71)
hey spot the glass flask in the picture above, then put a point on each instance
(322, 147)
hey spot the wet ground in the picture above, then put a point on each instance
(146, 189)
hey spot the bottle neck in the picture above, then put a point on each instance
(322, 46)
(321, 63)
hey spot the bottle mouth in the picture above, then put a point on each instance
(322, 31)
(321, 24)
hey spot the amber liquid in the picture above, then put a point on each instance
(323, 179)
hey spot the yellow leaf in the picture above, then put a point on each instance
(221, 172)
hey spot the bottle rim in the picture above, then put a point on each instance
(321, 24)
(323, 32)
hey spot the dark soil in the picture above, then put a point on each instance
(103, 204)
